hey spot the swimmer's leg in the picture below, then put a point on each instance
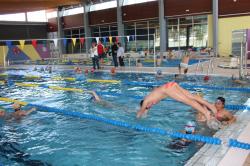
(197, 99)
(181, 97)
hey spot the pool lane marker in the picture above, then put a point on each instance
(133, 83)
(137, 127)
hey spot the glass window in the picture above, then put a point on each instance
(69, 12)
(130, 2)
(51, 14)
(186, 20)
(141, 25)
(105, 34)
(104, 28)
(82, 31)
(37, 16)
(113, 28)
(173, 37)
(130, 25)
(75, 31)
(67, 32)
(13, 17)
(200, 19)
(104, 5)
(95, 29)
(173, 21)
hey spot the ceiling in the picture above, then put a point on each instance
(17, 6)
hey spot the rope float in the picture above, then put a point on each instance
(145, 84)
(138, 127)
(104, 81)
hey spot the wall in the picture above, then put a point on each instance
(25, 31)
(248, 42)
(226, 26)
(187, 7)
(140, 11)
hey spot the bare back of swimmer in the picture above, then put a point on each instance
(173, 90)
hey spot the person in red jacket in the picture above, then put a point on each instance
(100, 51)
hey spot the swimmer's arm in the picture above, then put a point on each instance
(29, 111)
(142, 110)
(97, 98)
(231, 118)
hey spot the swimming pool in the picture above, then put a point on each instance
(52, 139)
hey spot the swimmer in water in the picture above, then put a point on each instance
(159, 74)
(222, 115)
(182, 143)
(18, 112)
(173, 90)
(99, 101)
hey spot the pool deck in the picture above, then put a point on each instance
(208, 155)
(222, 155)
(201, 70)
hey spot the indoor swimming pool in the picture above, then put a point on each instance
(44, 138)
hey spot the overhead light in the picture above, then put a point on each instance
(187, 10)
(235, 0)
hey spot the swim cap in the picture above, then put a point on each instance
(190, 127)
(92, 70)
(214, 124)
(159, 72)
(206, 78)
(86, 71)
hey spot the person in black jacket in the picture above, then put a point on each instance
(114, 53)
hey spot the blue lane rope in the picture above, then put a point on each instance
(237, 144)
(138, 127)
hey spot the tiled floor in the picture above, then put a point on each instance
(247, 162)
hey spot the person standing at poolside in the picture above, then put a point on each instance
(184, 63)
(120, 55)
(100, 51)
(114, 49)
(94, 56)
(173, 90)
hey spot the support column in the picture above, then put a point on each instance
(215, 27)
(60, 33)
(120, 26)
(86, 25)
(163, 34)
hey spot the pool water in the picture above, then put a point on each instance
(52, 139)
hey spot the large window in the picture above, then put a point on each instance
(73, 11)
(141, 35)
(74, 33)
(187, 32)
(104, 5)
(130, 2)
(37, 16)
(13, 17)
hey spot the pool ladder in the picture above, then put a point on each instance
(210, 68)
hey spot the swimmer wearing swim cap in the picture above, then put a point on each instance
(182, 143)
(159, 73)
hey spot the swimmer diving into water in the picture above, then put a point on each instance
(173, 90)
